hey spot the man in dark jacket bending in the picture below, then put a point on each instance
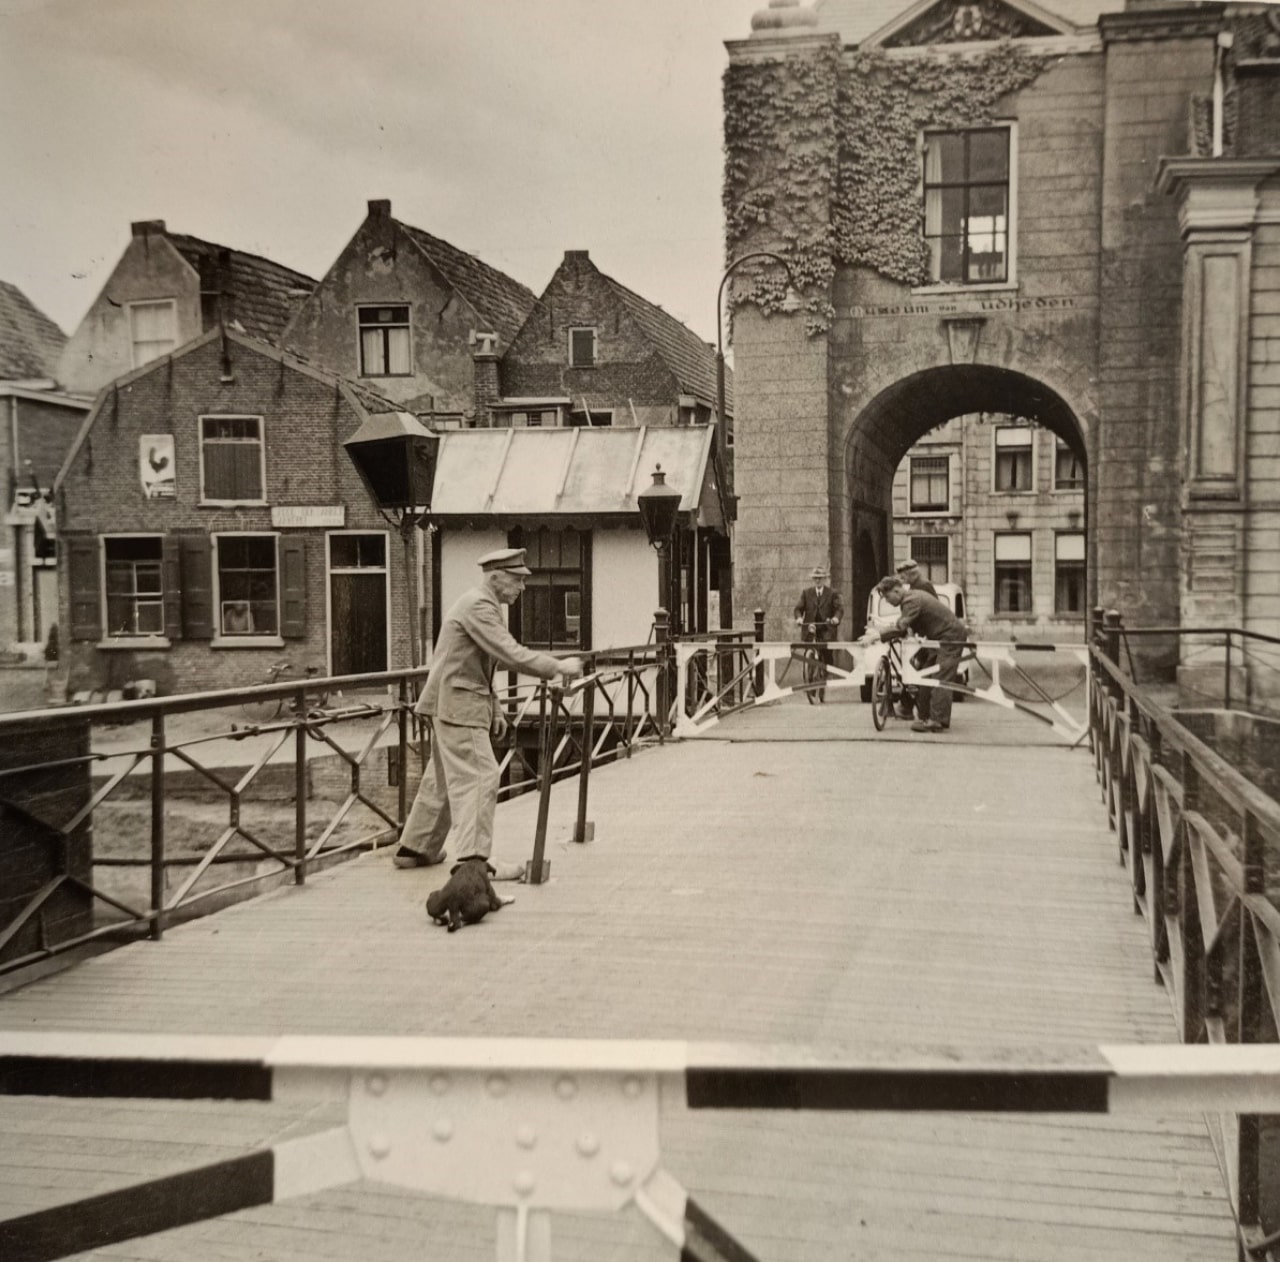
(930, 619)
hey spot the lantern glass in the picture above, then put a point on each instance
(396, 459)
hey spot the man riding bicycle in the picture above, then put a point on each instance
(818, 613)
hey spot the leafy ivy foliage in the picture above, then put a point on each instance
(822, 160)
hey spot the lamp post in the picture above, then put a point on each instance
(395, 456)
(659, 506)
(722, 424)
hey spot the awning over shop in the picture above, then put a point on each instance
(573, 472)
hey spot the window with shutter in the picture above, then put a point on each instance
(133, 566)
(197, 586)
(84, 580)
(582, 348)
(248, 592)
(232, 460)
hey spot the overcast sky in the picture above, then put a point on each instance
(515, 129)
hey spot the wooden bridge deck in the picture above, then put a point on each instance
(788, 879)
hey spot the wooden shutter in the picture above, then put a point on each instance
(85, 576)
(293, 586)
(196, 587)
(172, 571)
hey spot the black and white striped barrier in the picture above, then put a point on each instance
(533, 1126)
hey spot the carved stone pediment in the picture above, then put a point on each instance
(966, 21)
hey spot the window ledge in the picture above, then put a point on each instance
(247, 642)
(135, 642)
(232, 504)
(992, 287)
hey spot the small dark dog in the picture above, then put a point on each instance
(466, 897)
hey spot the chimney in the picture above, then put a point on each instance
(147, 228)
(486, 387)
(380, 209)
(577, 256)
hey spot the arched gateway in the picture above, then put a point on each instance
(1009, 214)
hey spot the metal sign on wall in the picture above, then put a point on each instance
(286, 516)
(155, 466)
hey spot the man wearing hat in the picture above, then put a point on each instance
(460, 787)
(818, 613)
(908, 570)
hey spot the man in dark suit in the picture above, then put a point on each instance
(460, 785)
(818, 613)
(930, 619)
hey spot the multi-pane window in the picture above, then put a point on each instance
(930, 489)
(966, 206)
(231, 456)
(1068, 572)
(135, 585)
(1013, 457)
(538, 418)
(1068, 469)
(551, 605)
(248, 597)
(153, 329)
(930, 551)
(384, 342)
(1013, 573)
(582, 348)
(358, 552)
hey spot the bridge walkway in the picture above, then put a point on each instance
(788, 878)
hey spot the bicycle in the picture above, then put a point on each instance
(266, 709)
(813, 666)
(887, 685)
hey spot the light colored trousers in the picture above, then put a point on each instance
(459, 788)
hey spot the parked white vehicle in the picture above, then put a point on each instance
(881, 615)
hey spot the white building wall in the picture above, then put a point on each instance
(624, 588)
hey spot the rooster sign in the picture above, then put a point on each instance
(155, 463)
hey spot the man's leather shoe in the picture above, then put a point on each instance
(406, 858)
(926, 725)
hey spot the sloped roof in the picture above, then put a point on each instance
(855, 20)
(30, 342)
(265, 294)
(691, 359)
(504, 302)
(543, 472)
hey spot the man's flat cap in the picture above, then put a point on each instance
(508, 560)
(909, 564)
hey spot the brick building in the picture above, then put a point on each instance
(1066, 212)
(37, 424)
(996, 505)
(212, 525)
(400, 309)
(168, 288)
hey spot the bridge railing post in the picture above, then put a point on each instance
(759, 639)
(666, 671)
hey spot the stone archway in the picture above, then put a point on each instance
(880, 434)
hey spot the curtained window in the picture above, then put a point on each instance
(966, 206)
(384, 342)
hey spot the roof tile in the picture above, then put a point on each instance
(30, 342)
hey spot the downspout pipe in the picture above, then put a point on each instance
(1225, 40)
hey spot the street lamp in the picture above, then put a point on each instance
(659, 506)
(395, 456)
(722, 424)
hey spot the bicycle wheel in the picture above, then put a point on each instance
(882, 694)
(815, 673)
(262, 709)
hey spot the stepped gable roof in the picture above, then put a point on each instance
(856, 20)
(265, 293)
(691, 359)
(30, 342)
(504, 302)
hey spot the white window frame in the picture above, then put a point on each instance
(1082, 561)
(1029, 445)
(1029, 561)
(1059, 489)
(911, 552)
(928, 512)
(224, 641)
(595, 344)
(407, 326)
(262, 453)
(123, 640)
(130, 309)
(330, 570)
(1011, 280)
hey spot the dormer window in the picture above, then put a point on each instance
(384, 341)
(582, 348)
(153, 329)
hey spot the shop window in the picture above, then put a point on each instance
(231, 460)
(153, 330)
(930, 484)
(931, 553)
(134, 575)
(1013, 573)
(248, 594)
(1014, 463)
(552, 609)
(1068, 573)
(385, 341)
(1068, 469)
(582, 348)
(967, 206)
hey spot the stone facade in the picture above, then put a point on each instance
(1087, 333)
